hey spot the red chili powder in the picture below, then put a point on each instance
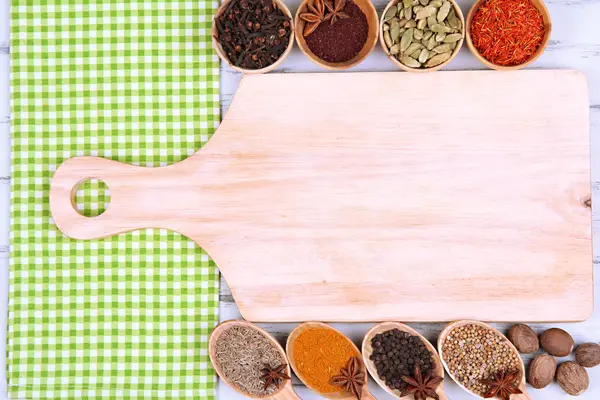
(343, 40)
(507, 32)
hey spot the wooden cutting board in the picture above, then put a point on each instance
(378, 196)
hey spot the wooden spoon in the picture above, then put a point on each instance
(450, 327)
(367, 350)
(285, 391)
(366, 395)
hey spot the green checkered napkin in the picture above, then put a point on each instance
(127, 317)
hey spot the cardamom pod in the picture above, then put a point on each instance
(387, 39)
(436, 3)
(424, 2)
(418, 35)
(393, 23)
(427, 35)
(453, 37)
(395, 34)
(395, 49)
(440, 37)
(402, 23)
(412, 48)
(416, 9)
(390, 13)
(401, 13)
(408, 13)
(437, 60)
(422, 24)
(453, 45)
(431, 43)
(407, 3)
(444, 10)
(452, 19)
(426, 12)
(410, 62)
(431, 21)
(415, 3)
(438, 28)
(442, 48)
(386, 27)
(416, 54)
(411, 24)
(406, 40)
(423, 56)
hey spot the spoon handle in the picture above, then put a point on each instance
(366, 395)
(287, 393)
(443, 396)
(522, 396)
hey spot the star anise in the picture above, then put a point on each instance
(421, 387)
(314, 17)
(273, 376)
(335, 11)
(351, 378)
(502, 385)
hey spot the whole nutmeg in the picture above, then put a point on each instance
(524, 338)
(541, 371)
(588, 355)
(557, 342)
(572, 378)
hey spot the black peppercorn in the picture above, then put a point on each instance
(395, 353)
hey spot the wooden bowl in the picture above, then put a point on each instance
(459, 44)
(223, 55)
(450, 327)
(368, 9)
(285, 391)
(367, 350)
(366, 395)
(539, 4)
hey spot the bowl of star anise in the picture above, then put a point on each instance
(253, 36)
(336, 34)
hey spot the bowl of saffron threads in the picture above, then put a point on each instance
(508, 34)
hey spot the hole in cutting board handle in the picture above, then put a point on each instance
(90, 197)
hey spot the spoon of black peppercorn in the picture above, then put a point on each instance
(399, 338)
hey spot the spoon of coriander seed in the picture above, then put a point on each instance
(496, 368)
(251, 361)
(327, 362)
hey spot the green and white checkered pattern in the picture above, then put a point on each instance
(127, 317)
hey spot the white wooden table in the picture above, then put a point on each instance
(575, 43)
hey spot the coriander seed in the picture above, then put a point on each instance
(474, 353)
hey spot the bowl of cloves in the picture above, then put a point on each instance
(253, 36)
(336, 34)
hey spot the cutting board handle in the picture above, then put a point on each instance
(137, 197)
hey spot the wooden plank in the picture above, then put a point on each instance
(346, 199)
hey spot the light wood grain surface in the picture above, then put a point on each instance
(575, 43)
(375, 210)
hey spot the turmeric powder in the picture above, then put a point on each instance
(319, 355)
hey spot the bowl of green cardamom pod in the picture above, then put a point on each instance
(422, 35)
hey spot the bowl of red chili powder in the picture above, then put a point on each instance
(508, 34)
(336, 34)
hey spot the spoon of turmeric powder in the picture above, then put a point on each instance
(327, 362)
